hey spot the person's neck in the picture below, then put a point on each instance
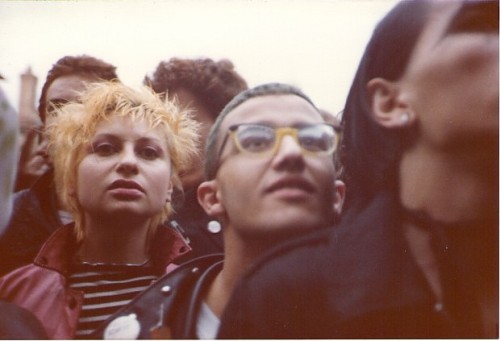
(419, 241)
(449, 188)
(460, 193)
(478, 270)
(114, 242)
(238, 257)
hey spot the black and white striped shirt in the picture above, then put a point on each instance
(106, 289)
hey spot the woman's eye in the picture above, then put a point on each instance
(105, 149)
(149, 153)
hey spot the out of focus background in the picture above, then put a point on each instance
(313, 44)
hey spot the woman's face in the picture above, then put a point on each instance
(451, 82)
(126, 171)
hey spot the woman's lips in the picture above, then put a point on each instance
(126, 189)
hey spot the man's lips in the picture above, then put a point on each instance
(125, 184)
(291, 183)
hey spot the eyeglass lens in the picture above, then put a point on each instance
(260, 138)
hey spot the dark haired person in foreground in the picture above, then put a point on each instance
(416, 254)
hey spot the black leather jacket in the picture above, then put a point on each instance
(33, 220)
(169, 308)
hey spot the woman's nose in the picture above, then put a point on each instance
(127, 162)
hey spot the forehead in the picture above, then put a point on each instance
(278, 110)
(124, 125)
(67, 87)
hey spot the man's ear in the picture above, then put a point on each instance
(209, 199)
(388, 110)
(339, 196)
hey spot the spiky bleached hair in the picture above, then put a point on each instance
(76, 123)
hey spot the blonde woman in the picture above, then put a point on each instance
(116, 156)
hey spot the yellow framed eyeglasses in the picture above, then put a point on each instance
(264, 140)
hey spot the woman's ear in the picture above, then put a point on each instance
(72, 191)
(387, 108)
(209, 199)
(170, 190)
(338, 197)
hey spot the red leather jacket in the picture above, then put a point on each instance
(41, 287)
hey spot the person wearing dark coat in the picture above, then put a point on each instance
(37, 211)
(15, 322)
(34, 218)
(416, 253)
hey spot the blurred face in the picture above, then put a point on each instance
(282, 193)
(9, 157)
(194, 176)
(451, 82)
(62, 90)
(126, 171)
(27, 124)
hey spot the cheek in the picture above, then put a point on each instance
(89, 171)
(86, 182)
(323, 172)
(239, 184)
(242, 174)
(458, 94)
(460, 71)
(159, 182)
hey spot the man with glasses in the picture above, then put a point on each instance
(270, 175)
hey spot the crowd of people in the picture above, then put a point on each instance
(197, 207)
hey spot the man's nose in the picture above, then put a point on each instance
(289, 144)
(288, 154)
